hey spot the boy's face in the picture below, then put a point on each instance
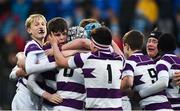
(151, 47)
(38, 28)
(61, 37)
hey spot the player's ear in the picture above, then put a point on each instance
(92, 47)
(127, 46)
(28, 30)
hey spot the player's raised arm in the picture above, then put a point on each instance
(80, 43)
(116, 49)
(60, 59)
(77, 39)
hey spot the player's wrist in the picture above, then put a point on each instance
(54, 44)
(46, 95)
(20, 73)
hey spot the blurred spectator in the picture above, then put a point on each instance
(8, 60)
(100, 5)
(115, 5)
(149, 9)
(115, 28)
(19, 13)
(66, 10)
(178, 27)
(51, 9)
(5, 11)
(113, 22)
(15, 38)
(146, 15)
(37, 7)
(20, 10)
(96, 13)
(87, 7)
(166, 22)
(79, 15)
(126, 15)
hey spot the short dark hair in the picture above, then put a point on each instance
(167, 43)
(102, 36)
(134, 39)
(57, 24)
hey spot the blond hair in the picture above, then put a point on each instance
(31, 18)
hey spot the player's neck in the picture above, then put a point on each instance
(39, 41)
(134, 51)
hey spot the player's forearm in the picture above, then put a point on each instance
(126, 82)
(33, 86)
(32, 67)
(60, 59)
(39, 68)
(67, 53)
(77, 44)
(158, 86)
(46, 95)
(116, 48)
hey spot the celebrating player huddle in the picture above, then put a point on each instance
(82, 68)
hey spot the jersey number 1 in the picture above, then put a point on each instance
(109, 73)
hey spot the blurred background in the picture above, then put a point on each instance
(119, 15)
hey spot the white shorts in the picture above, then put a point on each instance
(25, 100)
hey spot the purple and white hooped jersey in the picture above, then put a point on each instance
(132, 61)
(145, 75)
(49, 76)
(166, 66)
(33, 47)
(70, 85)
(143, 69)
(102, 71)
